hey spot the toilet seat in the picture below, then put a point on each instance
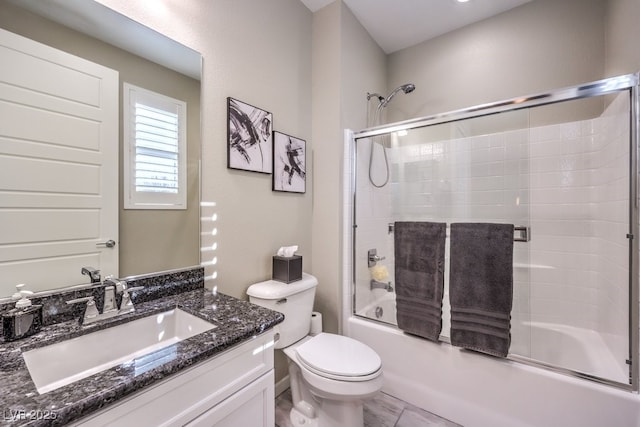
(339, 358)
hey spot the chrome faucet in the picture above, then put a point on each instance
(374, 284)
(110, 305)
(118, 285)
(93, 274)
(126, 305)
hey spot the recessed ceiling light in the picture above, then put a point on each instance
(462, 1)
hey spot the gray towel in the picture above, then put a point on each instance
(419, 277)
(481, 286)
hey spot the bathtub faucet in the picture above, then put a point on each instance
(381, 285)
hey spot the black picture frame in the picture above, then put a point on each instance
(249, 137)
(289, 163)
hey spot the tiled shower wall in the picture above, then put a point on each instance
(579, 220)
(611, 200)
(568, 182)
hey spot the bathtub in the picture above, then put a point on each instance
(477, 390)
(550, 344)
(383, 309)
(578, 349)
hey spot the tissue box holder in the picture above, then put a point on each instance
(287, 270)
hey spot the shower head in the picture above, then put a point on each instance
(406, 88)
(383, 102)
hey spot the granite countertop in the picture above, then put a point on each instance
(21, 405)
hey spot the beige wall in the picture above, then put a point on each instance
(327, 160)
(364, 70)
(622, 36)
(542, 45)
(149, 240)
(258, 52)
(346, 65)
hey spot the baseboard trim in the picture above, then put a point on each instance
(282, 386)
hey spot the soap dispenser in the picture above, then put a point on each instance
(23, 320)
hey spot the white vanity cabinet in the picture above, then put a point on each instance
(234, 388)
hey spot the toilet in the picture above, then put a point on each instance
(330, 375)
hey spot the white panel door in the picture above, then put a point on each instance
(58, 166)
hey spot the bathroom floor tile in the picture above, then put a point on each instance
(416, 417)
(283, 407)
(381, 411)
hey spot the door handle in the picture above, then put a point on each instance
(108, 244)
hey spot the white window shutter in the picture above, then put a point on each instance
(155, 150)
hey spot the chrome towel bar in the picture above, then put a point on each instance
(523, 233)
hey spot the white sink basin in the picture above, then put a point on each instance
(68, 361)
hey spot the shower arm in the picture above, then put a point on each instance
(377, 95)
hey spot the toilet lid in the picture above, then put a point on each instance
(339, 357)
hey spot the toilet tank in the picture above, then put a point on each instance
(294, 300)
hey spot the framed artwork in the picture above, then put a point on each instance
(289, 163)
(249, 137)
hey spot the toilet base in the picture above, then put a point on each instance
(299, 419)
(343, 414)
(331, 414)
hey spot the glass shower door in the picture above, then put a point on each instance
(559, 171)
(579, 250)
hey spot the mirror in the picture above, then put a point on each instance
(148, 240)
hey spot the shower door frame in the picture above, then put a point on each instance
(628, 82)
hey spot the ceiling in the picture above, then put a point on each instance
(398, 24)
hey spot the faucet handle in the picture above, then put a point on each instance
(126, 305)
(373, 258)
(91, 311)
